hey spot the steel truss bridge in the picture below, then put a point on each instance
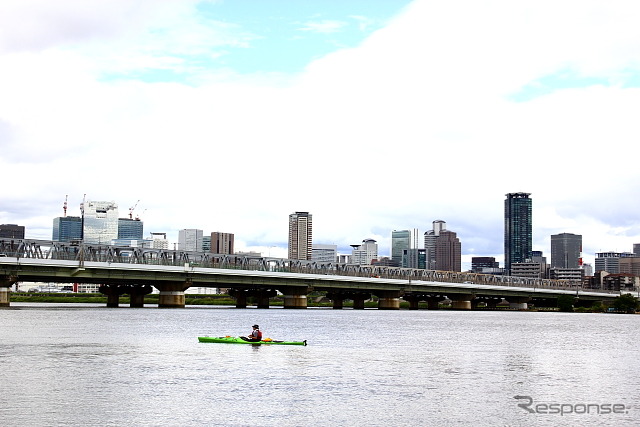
(246, 275)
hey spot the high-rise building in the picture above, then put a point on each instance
(610, 261)
(636, 249)
(565, 250)
(130, 229)
(100, 222)
(448, 252)
(190, 240)
(400, 241)
(365, 253)
(324, 253)
(12, 231)
(414, 258)
(222, 243)
(517, 229)
(67, 228)
(300, 236)
(430, 238)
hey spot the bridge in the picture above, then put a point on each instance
(136, 271)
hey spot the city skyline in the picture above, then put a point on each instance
(223, 117)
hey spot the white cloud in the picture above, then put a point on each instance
(324, 26)
(416, 124)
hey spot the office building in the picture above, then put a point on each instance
(517, 229)
(222, 243)
(11, 231)
(300, 236)
(448, 252)
(414, 258)
(430, 238)
(610, 261)
(159, 241)
(636, 249)
(100, 222)
(206, 243)
(190, 240)
(67, 228)
(400, 241)
(480, 264)
(365, 253)
(324, 253)
(629, 265)
(565, 250)
(130, 229)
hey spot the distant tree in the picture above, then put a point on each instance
(626, 303)
(565, 303)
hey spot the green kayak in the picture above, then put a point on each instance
(238, 340)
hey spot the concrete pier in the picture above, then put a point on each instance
(113, 293)
(172, 294)
(461, 301)
(389, 300)
(295, 296)
(137, 293)
(518, 303)
(5, 290)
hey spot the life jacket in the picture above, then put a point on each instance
(259, 335)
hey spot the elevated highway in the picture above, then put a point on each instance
(136, 271)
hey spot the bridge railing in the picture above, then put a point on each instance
(82, 252)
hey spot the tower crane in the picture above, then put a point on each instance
(131, 209)
(64, 207)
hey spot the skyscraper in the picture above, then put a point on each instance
(400, 241)
(365, 253)
(222, 243)
(300, 236)
(448, 252)
(517, 229)
(190, 240)
(430, 238)
(565, 250)
(67, 228)
(100, 222)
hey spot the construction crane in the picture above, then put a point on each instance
(131, 209)
(64, 207)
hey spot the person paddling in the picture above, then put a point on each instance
(255, 335)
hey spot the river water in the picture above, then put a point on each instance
(81, 365)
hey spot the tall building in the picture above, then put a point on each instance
(67, 228)
(400, 241)
(565, 250)
(517, 229)
(324, 253)
(100, 222)
(300, 236)
(190, 240)
(130, 229)
(365, 253)
(222, 243)
(12, 231)
(414, 258)
(430, 238)
(448, 252)
(610, 261)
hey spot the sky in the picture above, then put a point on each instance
(373, 116)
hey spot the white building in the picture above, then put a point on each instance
(190, 240)
(324, 253)
(159, 241)
(100, 222)
(365, 253)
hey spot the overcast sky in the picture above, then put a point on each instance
(372, 115)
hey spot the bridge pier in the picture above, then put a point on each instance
(136, 295)
(113, 293)
(413, 300)
(295, 296)
(172, 294)
(263, 295)
(5, 290)
(433, 302)
(518, 303)
(461, 301)
(389, 300)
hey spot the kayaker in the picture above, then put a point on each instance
(255, 335)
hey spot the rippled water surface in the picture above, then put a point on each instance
(90, 365)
